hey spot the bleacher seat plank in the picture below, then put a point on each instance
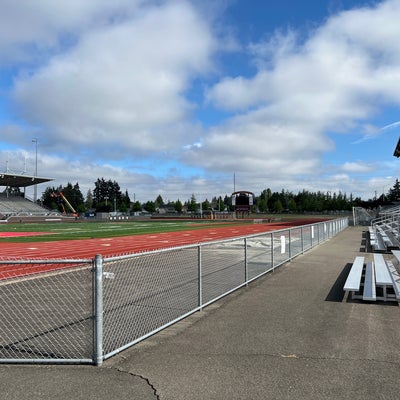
(395, 279)
(385, 237)
(383, 277)
(353, 280)
(376, 240)
(372, 237)
(369, 283)
(396, 253)
(382, 274)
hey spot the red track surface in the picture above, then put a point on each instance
(88, 248)
(18, 234)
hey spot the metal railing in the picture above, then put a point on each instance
(85, 311)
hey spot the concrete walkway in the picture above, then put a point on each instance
(290, 335)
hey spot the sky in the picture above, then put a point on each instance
(183, 97)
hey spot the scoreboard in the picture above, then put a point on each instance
(242, 201)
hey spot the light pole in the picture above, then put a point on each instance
(35, 140)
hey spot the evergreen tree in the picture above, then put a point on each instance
(150, 206)
(292, 205)
(178, 206)
(205, 205)
(228, 203)
(125, 202)
(192, 205)
(74, 196)
(394, 192)
(262, 200)
(106, 195)
(136, 206)
(159, 201)
(278, 207)
(50, 198)
(53, 200)
(89, 200)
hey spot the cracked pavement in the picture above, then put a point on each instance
(72, 382)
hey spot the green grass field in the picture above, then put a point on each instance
(87, 230)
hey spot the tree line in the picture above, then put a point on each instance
(107, 196)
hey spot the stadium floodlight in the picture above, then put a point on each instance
(35, 140)
(397, 149)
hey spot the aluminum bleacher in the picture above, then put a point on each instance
(384, 231)
(12, 206)
(374, 281)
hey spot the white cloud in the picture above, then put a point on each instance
(122, 85)
(336, 79)
(391, 126)
(357, 167)
(29, 29)
(253, 143)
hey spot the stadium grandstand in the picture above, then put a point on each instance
(15, 206)
(384, 229)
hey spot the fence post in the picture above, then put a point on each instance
(246, 274)
(98, 310)
(302, 240)
(200, 278)
(272, 251)
(319, 236)
(290, 244)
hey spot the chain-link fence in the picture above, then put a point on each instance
(46, 311)
(85, 311)
(361, 216)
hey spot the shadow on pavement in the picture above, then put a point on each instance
(336, 294)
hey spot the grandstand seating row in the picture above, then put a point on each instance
(384, 231)
(11, 206)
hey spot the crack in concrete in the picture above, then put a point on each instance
(147, 380)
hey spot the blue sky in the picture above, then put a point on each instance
(176, 97)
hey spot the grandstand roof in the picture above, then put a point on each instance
(15, 180)
(397, 149)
